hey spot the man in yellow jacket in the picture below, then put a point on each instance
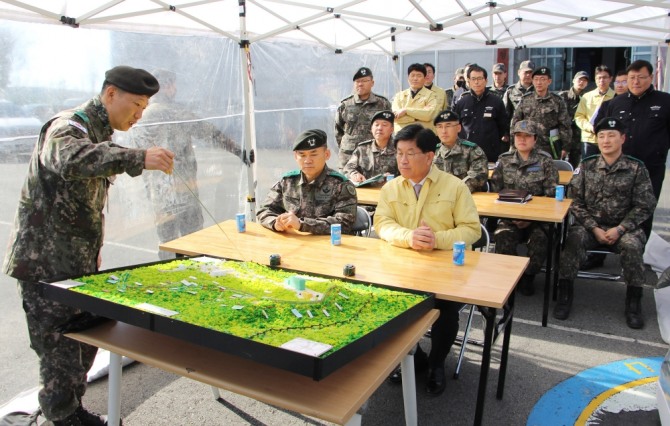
(588, 109)
(416, 105)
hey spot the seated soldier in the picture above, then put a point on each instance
(533, 170)
(375, 156)
(611, 197)
(312, 198)
(463, 159)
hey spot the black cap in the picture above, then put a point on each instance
(447, 115)
(383, 115)
(363, 72)
(310, 139)
(610, 123)
(542, 71)
(132, 80)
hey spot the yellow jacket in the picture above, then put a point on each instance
(440, 96)
(587, 110)
(420, 109)
(445, 204)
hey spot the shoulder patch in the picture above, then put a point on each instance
(351, 190)
(630, 157)
(468, 143)
(292, 173)
(78, 126)
(337, 174)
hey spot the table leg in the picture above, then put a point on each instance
(505, 348)
(215, 392)
(114, 397)
(489, 315)
(355, 420)
(557, 258)
(409, 389)
(547, 276)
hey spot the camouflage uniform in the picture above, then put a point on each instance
(58, 232)
(512, 98)
(605, 197)
(498, 91)
(330, 198)
(174, 196)
(466, 161)
(571, 99)
(539, 176)
(352, 122)
(548, 113)
(369, 160)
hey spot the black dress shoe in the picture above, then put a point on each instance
(593, 260)
(420, 365)
(437, 382)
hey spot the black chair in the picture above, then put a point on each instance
(363, 224)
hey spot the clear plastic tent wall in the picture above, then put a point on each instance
(198, 114)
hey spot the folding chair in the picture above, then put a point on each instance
(363, 224)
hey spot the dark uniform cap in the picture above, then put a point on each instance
(447, 115)
(133, 80)
(499, 67)
(580, 74)
(542, 71)
(310, 139)
(383, 115)
(610, 123)
(525, 126)
(363, 72)
(526, 65)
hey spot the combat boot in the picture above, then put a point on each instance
(634, 307)
(565, 294)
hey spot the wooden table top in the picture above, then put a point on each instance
(486, 279)
(564, 176)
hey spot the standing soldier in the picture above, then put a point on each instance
(572, 98)
(524, 85)
(352, 122)
(611, 198)
(549, 113)
(533, 170)
(499, 86)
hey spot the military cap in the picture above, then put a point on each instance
(132, 80)
(499, 67)
(542, 71)
(363, 72)
(447, 115)
(580, 74)
(525, 126)
(310, 139)
(610, 123)
(383, 115)
(527, 65)
(460, 72)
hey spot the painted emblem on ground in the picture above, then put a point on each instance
(618, 393)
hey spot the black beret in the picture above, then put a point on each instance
(610, 123)
(363, 72)
(310, 139)
(132, 80)
(383, 115)
(542, 71)
(447, 115)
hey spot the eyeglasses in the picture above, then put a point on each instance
(621, 83)
(410, 155)
(540, 79)
(638, 77)
(363, 81)
(476, 79)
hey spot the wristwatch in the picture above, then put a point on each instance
(620, 230)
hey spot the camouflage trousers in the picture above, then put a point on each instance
(63, 362)
(507, 236)
(630, 247)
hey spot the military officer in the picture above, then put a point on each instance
(352, 121)
(499, 86)
(58, 227)
(549, 113)
(533, 170)
(516, 91)
(312, 198)
(376, 156)
(461, 158)
(612, 197)
(572, 98)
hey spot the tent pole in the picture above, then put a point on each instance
(249, 122)
(666, 78)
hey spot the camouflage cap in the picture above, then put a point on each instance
(132, 80)
(383, 115)
(527, 65)
(499, 67)
(447, 115)
(525, 126)
(610, 123)
(542, 71)
(580, 74)
(363, 72)
(310, 139)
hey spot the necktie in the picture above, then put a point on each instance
(417, 189)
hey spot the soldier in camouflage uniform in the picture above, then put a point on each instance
(58, 229)
(549, 113)
(612, 197)
(516, 91)
(175, 196)
(352, 122)
(533, 170)
(499, 86)
(312, 198)
(376, 156)
(572, 98)
(461, 158)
